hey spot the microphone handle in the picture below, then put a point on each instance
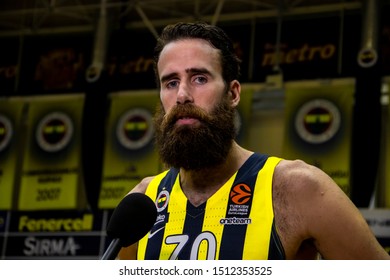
(112, 250)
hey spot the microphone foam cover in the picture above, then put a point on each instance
(132, 218)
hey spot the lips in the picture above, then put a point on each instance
(186, 121)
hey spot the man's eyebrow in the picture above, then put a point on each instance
(168, 77)
(198, 71)
(189, 70)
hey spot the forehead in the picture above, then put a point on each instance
(189, 53)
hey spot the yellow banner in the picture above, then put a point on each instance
(244, 115)
(129, 153)
(266, 123)
(318, 126)
(11, 115)
(383, 187)
(51, 177)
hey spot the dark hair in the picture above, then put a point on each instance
(199, 30)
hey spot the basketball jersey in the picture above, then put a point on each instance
(236, 222)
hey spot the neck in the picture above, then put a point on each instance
(199, 185)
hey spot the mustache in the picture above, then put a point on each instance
(186, 110)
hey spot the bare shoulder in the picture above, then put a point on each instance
(302, 185)
(312, 213)
(302, 179)
(298, 171)
(142, 185)
(291, 180)
(297, 191)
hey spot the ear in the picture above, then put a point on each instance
(235, 93)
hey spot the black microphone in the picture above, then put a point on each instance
(131, 220)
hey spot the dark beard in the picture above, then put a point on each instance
(195, 147)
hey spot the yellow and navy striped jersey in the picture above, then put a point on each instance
(237, 222)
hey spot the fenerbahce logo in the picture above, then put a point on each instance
(6, 132)
(318, 121)
(54, 132)
(161, 204)
(238, 211)
(135, 129)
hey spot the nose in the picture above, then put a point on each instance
(184, 94)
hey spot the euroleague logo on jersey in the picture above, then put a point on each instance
(240, 194)
(238, 211)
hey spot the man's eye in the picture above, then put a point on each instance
(200, 80)
(172, 84)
